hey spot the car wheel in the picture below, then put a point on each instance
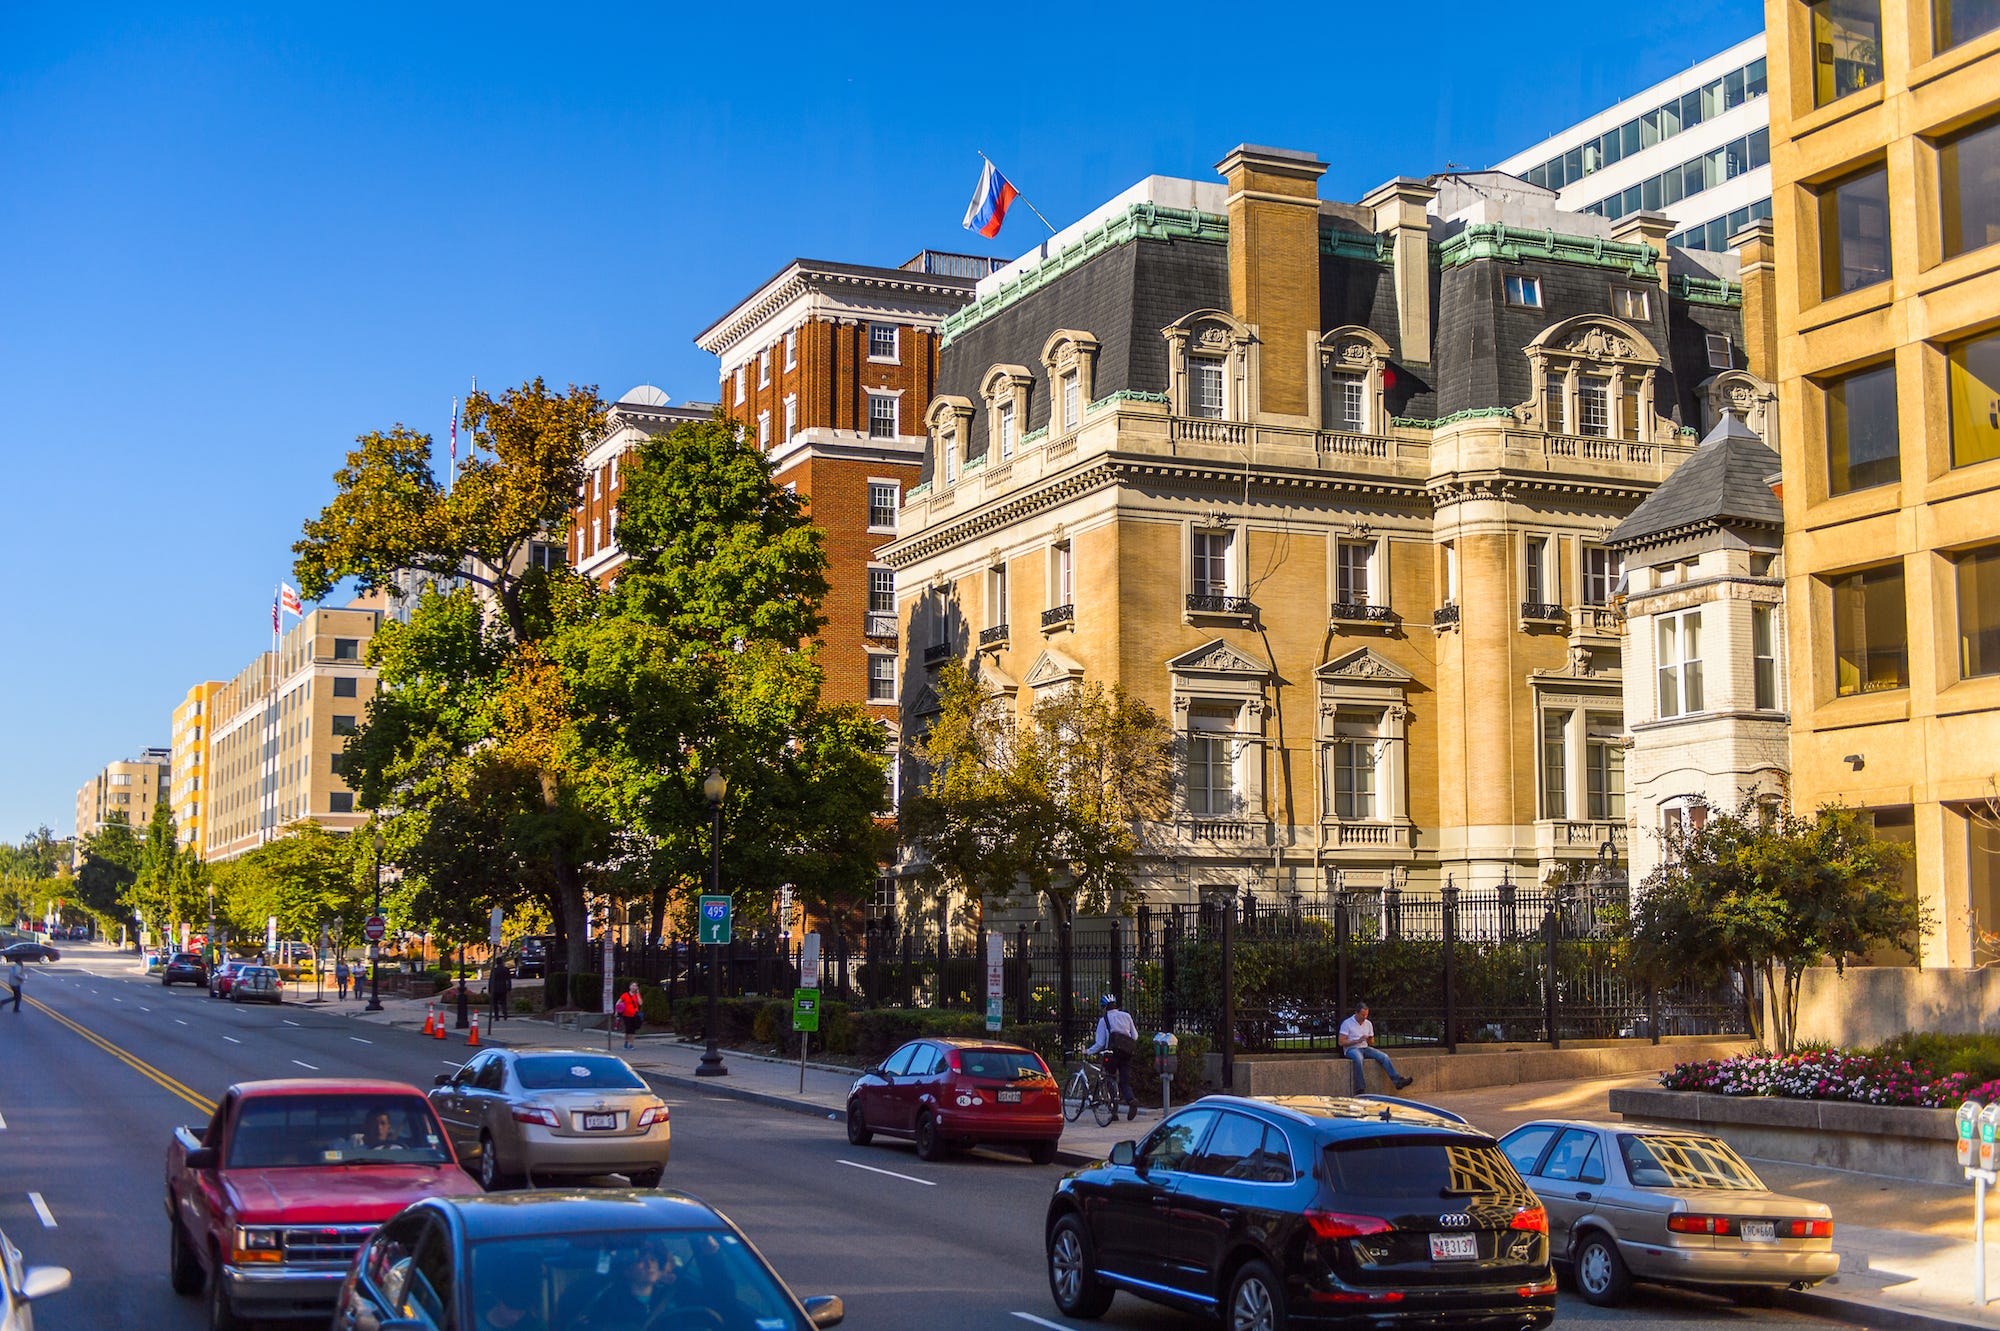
(221, 1312)
(646, 1178)
(858, 1131)
(491, 1176)
(1042, 1153)
(1073, 1281)
(930, 1142)
(184, 1271)
(1256, 1300)
(234, 996)
(1600, 1272)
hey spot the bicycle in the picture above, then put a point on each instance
(1089, 1088)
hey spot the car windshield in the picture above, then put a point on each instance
(576, 1072)
(1686, 1162)
(284, 1131)
(624, 1277)
(1419, 1167)
(1002, 1064)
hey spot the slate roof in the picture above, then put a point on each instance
(1724, 483)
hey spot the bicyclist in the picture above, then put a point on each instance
(1118, 1035)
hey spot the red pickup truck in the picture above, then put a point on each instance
(268, 1204)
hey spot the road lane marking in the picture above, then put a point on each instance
(179, 1022)
(232, 1039)
(307, 1066)
(144, 1008)
(42, 1210)
(3, 1122)
(452, 1063)
(1042, 1321)
(907, 1178)
(133, 1061)
(288, 1021)
(358, 1040)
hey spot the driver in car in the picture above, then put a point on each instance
(379, 1131)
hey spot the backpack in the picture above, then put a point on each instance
(1123, 1041)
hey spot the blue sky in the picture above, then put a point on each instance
(236, 239)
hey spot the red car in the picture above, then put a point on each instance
(948, 1093)
(223, 978)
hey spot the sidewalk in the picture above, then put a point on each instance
(1906, 1253)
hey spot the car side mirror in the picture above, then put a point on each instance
(202, 1157)
(42, 1281)
(1124, 1153)
(442, 1079)
(883, 1073)
(826, 1310)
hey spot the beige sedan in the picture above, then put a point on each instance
(527, 1114)
(1626, 1202)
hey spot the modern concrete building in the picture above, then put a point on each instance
(190, 761)
(593, 538)
(279, 729)
(131, 787)
(1329, 485)
(1885, 154)
(1695, 147)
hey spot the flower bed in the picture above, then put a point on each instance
(1831, 1075)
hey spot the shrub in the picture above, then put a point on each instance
(1977, 1056)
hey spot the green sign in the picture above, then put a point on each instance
(805, 1009)
(715, 916)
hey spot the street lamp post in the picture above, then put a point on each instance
(713, 790)
(375, 947)
(211, 921)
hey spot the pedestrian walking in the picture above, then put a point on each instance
(17, 975)
(498, 986)
(1118, 1035)
(341, 975)
(631, 1012)
(1357, 1044)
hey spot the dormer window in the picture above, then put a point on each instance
(1205, 384)
(1596, 379)
(950, 422)
(1005, 389)
(1213, 363)
(1352, 365)
(1070, 358)
(1006, 431)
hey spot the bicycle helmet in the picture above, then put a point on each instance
(1109, 1000)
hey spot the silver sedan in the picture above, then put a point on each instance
(524, 1114)
(1627, 1201)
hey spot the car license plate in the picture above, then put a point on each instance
(599, 1122)
(1454, 1247)
(1760, 1231)
(1009, 1097)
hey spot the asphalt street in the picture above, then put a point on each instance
(101, 1064)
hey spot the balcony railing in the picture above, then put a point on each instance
(1058, 616)
(937, 653)
(1360, 612)
(879, 624)
(1204, 603)
(1598, 619)
(993, 636)
(1201, 430)
(1544, 612)
(1445, 617)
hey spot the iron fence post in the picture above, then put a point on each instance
(1343, 926)
(1551, 928)
(1170, 949)
(1226, 1032)
(1022, 975)
(1066, 970)
(1118, 963)
(1653, 1009)
(909, 964)
(1450, 920)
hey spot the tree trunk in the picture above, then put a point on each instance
(659, 911)
(570, 906)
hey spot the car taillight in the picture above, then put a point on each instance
(536, 1114)
(1356, 1295)
(1544, 1287)
(1701, 1224)
(655, 1114)
(1808, 1229)
(954, 1062)
(1333, 1225)
(1532, 1218)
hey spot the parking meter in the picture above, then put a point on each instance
(1968, 1124)
(1166, 1061)
(1989, 1127)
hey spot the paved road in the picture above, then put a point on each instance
(102, 1064)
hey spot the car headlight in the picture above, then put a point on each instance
(257, 1243)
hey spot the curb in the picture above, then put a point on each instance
(1879, 1316)
(718, 1087)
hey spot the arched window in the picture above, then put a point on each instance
(949, 422)
(1070, 358)
(1351, 380)
(1005, 389)
(1595, 378)
(1212, 366)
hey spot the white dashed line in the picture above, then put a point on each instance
(358, 1040)
(907, 1178)
(232, 1039)
(144, 1008)
(288, 1021)
(451, 1062)
(42, 1210)
(179, 1022)
(1042, 1321)
(307, 1066)
(3, 1122)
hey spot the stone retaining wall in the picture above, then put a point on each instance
(1914, 1144)
(1870, 1004)
(1489, 1065)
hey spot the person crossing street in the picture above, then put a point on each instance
(17, 975)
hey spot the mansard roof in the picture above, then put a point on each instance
(1724, 483)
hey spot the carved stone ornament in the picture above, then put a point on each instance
(1597, 344)
(1397, 712)
(1254, 706)
(1579, 659)
(1212, 337)
(1742, 397)
(1218, 656)
(1181, 703)
(1356, 353)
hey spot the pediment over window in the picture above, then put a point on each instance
(1595, 337)
(1364, 666)
(1066, 347)
(1052, 668)
(992, 677)
(1212, 332)
(1001, 380)
(946, 412)
(1219, 658)
(1754, 401)
(925, 702)
(1352, 347)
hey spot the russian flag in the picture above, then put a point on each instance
(990, 199)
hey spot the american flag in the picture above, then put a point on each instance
(454, 430)
(274, 612)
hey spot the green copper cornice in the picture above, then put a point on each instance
(1496, 240)
(1470, 414)
(1705, 290)
(1142, 221)
(1127, 395)
(1348, 245)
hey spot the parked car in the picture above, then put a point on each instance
(186, 968)
(267, 1204)
(222, 978)
(22, 1285)
(959, 1092)
(564, 1260)
(257, 984)
(538, 1113)
(29, 952)
(1305, 1210)
(1629, 1202)
(534, 959)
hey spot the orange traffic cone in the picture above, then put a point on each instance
(430, 1018)
(472, 1040)
(439, 1030)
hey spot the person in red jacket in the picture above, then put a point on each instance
(631, 1012)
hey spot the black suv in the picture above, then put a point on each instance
(186, 968)
(1304, 1211)
(534, 960)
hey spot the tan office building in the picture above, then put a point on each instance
(130, 787)
(1885, 151)
(279, 730)
(190, 761)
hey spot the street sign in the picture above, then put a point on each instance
(493, 928)
(715, 918)
(271, 933)
(375, 928)
(805, 1009)
(809, 962)
(996, 980)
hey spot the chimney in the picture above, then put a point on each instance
(1399, 208)
(1754, 251)
(1274, 265)
(1648, 229)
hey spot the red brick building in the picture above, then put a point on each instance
(593, 532)
(830, 366)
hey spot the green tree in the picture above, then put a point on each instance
(110, 865)
(1758, 896)
(305, 878)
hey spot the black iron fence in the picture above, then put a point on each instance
(1463, 967)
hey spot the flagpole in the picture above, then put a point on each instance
(1020, 196)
